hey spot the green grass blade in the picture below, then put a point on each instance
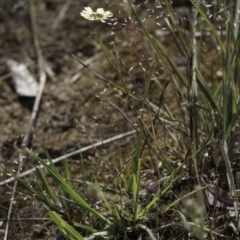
(46, 186)
(66, 170)
(207, 92)
(87, 228)
(67, 188)
(67, 230)
(49, 159)
(135, 158)
(166, 163)
(230, 178)
(123, 171)
(136, 190)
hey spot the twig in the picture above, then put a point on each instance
(33, 118)
(49, 72)
(61, 15)
(84, 149)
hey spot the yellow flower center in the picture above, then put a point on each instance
(96, 16)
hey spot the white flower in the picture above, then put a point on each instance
(99, 15)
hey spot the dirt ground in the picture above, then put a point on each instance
(70, 94)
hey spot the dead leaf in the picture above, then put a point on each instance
(25, 84)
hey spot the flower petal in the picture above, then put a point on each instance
(100, 11)
(108, 14)
(88, 10)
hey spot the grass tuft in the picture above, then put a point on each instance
(188, 136)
